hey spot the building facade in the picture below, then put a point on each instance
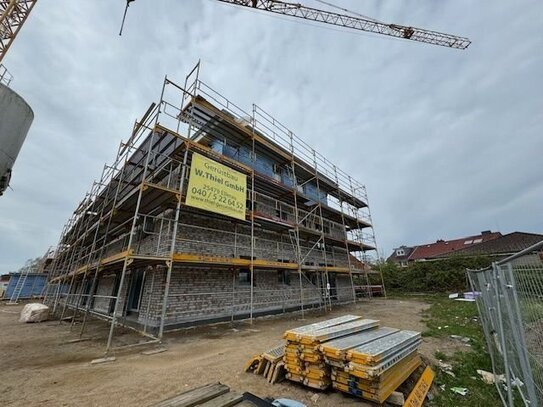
(209, 214)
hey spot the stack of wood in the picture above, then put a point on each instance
(269, 364)
(375, 369)
(303, 359)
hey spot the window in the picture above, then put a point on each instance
(277, 168)
(468, 242)
(244, 277)
(283, 277)
(403, 263)
(477, 240)
(400, 252)
(281, 214)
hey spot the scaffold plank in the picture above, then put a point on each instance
(376, 351)
(337, 348)
(293, 334)
(115, 257)
(364, 371)
(327, 334)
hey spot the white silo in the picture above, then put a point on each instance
(15, 119)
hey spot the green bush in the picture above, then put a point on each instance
(432, 276)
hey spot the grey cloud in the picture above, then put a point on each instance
(448, 142)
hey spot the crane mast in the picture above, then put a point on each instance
(13, 14)
(354, 22)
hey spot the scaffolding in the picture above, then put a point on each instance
(304, 216)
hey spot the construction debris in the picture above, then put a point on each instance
(103, 360)
(154, 351)
(460, 390)
(34, 313)
(490, 378)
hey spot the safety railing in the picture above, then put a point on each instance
(5, 76)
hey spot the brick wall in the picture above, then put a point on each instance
(105, 287)
(344, 288)
(199, 234)
(199, 294)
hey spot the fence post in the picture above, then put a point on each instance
(498, 289)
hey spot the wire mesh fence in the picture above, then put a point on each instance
(510, 302)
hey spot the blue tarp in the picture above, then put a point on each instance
(265, 166)
(33, 286)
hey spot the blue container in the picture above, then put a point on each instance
(33, 286)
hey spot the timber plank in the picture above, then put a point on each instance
(195, 396)
(225, 400)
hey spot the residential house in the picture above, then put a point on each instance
(404, 255)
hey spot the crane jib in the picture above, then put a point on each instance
(355, 22)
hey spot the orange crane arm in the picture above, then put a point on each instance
(13, 14)
(354, 22)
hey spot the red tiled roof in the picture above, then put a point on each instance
(428, 251)
(506, 245)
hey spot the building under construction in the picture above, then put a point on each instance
(211, 213)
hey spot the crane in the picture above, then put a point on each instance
(352, 21)
(355, 22)
(13, 14)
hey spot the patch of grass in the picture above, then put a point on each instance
(531, 311)
(446, 317)
(441, 356)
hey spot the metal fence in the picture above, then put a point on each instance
(510, 303)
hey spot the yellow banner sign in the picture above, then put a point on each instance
(216, 188)
(417, 396)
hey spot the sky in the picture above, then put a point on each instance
(447, 142)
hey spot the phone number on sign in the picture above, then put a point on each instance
(214, 194)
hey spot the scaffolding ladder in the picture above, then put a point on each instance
(19, 285)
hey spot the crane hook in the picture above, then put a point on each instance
(124, 15)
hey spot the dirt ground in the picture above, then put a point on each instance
(38, 367)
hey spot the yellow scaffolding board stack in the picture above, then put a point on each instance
(303, 358)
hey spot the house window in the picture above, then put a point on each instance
(477, 240)
(468, 242)
(403, 263)
(244, 277)
(400, 252)
(283, 277)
